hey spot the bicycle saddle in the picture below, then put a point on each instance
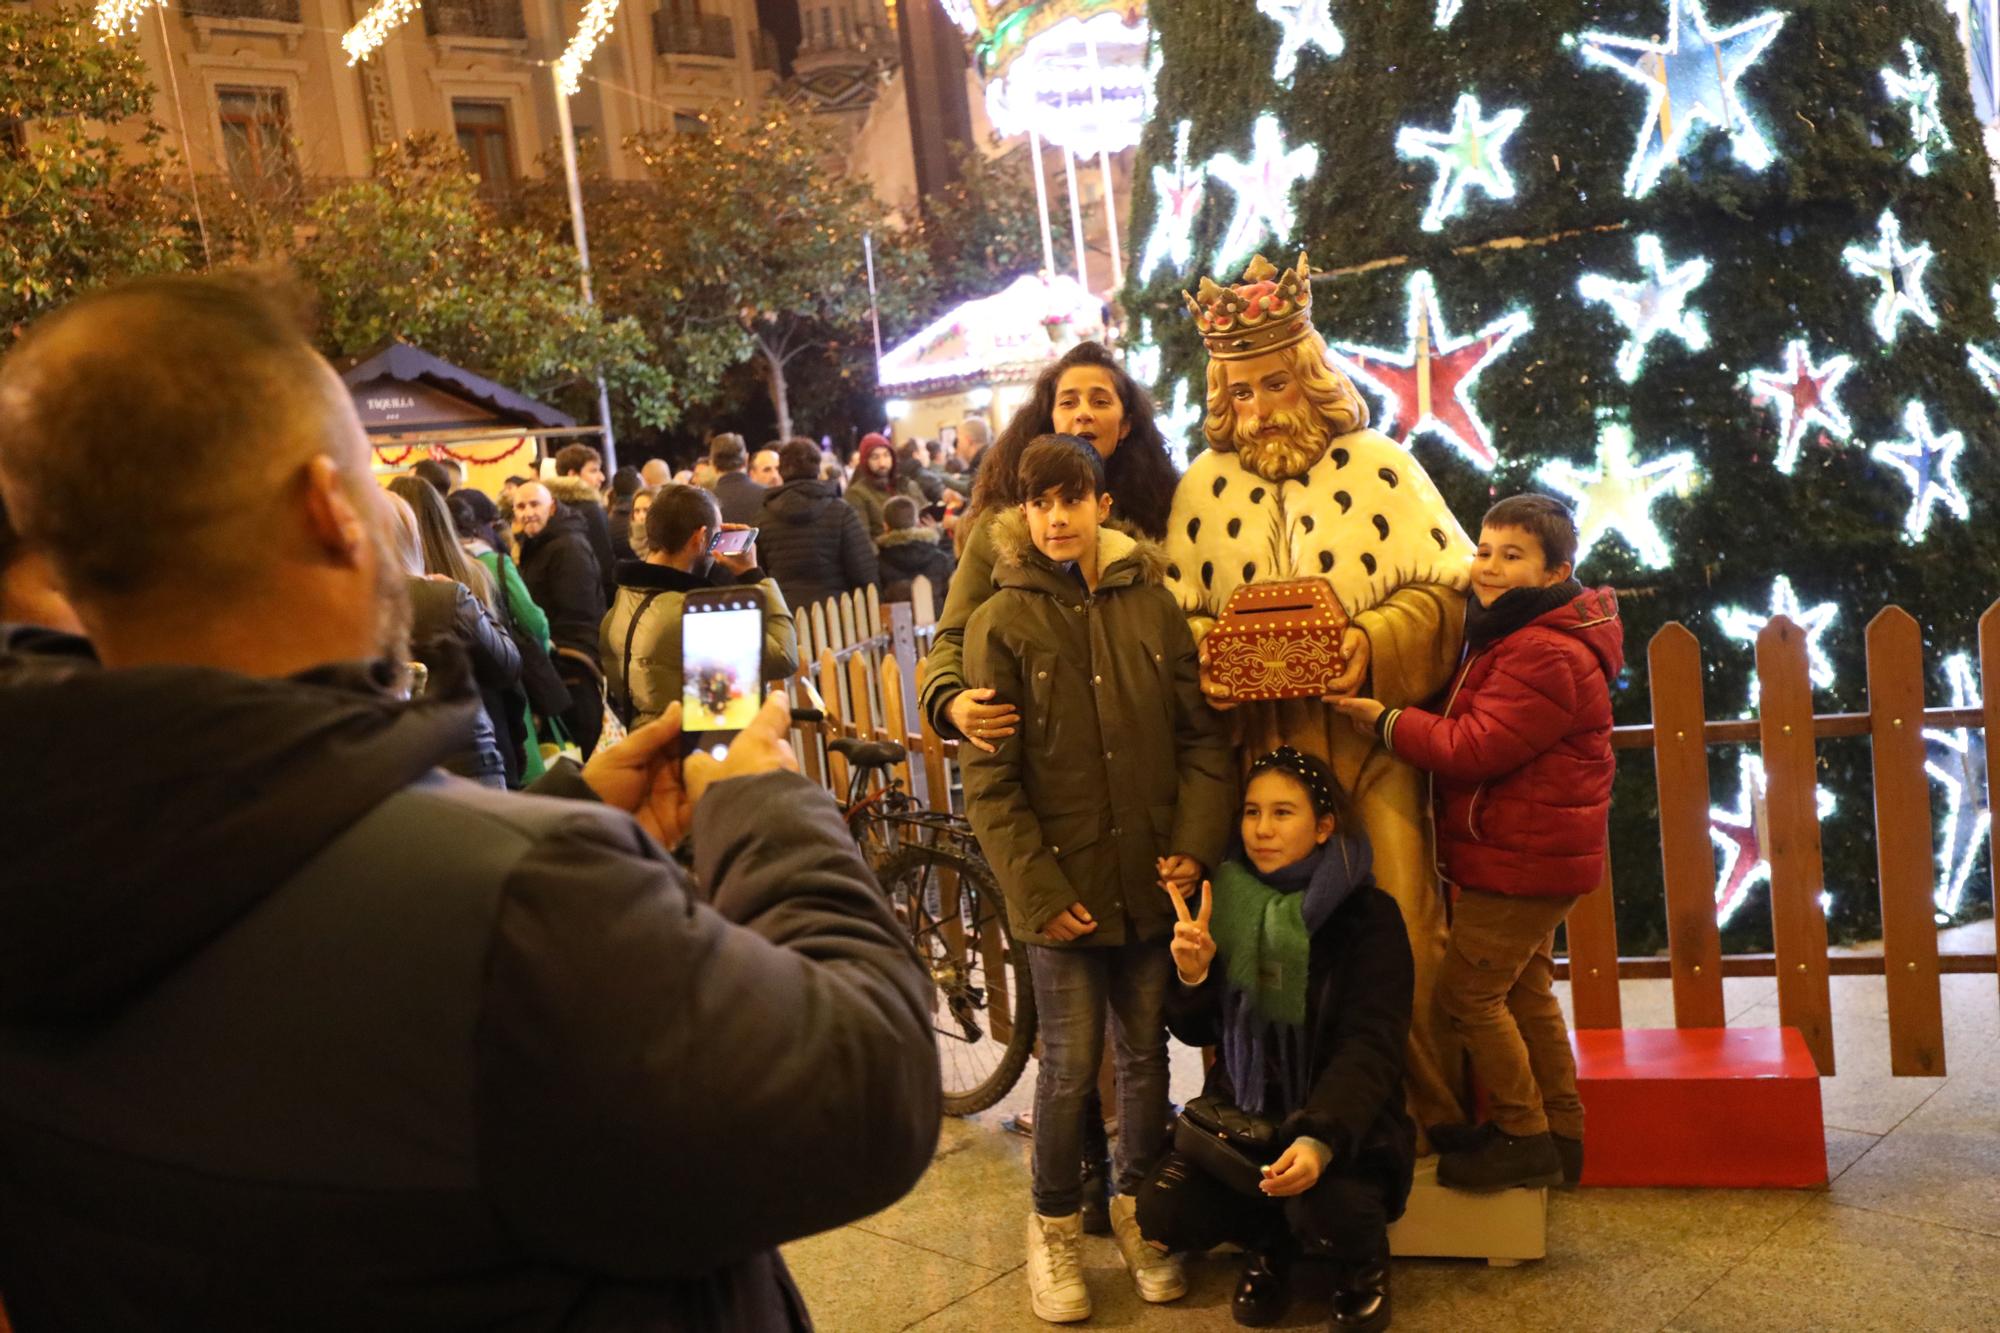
(867, 754)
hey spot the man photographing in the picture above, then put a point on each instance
(297, 1032)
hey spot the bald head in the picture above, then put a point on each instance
(534, 505)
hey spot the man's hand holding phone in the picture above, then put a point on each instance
(736, 553)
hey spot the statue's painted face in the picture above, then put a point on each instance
(1275, 427)
(1261, 388)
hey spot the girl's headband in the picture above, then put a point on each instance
(1288, 760)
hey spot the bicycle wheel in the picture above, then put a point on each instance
(982, 1001)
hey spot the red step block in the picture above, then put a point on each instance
(1732, 1108)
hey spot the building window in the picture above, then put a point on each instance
(255, 134)
(687, 122)
(483, 138)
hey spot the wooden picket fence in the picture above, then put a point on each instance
(868, 667)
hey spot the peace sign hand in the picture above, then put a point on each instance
(1193, 947)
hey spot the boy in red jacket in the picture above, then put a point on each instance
(1523, 765)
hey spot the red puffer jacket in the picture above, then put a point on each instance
(1522, 754)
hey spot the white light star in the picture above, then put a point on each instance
(1142, 356)
(1929, 463)
(1900, 270)
(1802, 394)
(1744, 627)
(1957, 762)
(1652, 306)
(1690, 80)
(1447, 10)
(1618, 495)
(1467, 155)
(1263, 185)
(1301, 23)
(1177, 196)
(1918, 91)
(1178, 422)
(1427, 386)
(1986, 366)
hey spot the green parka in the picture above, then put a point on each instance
(1118, 761)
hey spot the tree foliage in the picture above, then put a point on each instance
(983, 230)
(77, 207)
(413, 252)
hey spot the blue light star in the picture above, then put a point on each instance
(1653, 305)
(1929, 464)
(1690, 79)
(1467, 155)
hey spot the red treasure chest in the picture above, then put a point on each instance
(1278, 641)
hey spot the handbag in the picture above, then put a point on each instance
(1226, 1142)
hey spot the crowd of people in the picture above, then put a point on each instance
(298, 1031)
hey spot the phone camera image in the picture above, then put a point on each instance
(722, 644)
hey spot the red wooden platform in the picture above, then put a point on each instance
(1725, 1107)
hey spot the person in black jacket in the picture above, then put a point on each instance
(561, 572)
(741, 498)
(812, 541)
(1297, 967)
(297, 1032)
(910, 551)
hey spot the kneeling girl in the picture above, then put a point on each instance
(1297, 969)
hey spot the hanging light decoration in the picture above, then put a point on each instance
(374, 27)
(590, 31)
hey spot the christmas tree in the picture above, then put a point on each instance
(1719, 273)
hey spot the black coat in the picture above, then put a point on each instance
(297, 1033)
(560, 568)
(814, 544)
(741, 499)
(1358, 1000)
(447, 621)
(909, 553)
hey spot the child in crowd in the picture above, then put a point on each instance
(1522, 754)
(910, 550)
(1310, 1012)
(1119, 776)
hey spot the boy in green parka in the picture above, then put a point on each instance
(1120, 776)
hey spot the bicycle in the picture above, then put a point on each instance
(944, 895)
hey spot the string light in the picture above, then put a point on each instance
(1802, 394)
(1618, 494)
(374, 27)
(1301, 23)
(1467, 155)
(1957, 763)
(1177, 194)
(1918, 91)
(1263, 184)
(1447, 10)
(1929, 463)
(1652, 306)
(1900, 270)
(590, 30)
(115, 18)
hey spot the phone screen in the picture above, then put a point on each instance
(722, 644)
(734, 542)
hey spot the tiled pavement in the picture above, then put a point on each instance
(1906, 1236)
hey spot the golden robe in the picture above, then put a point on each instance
(1368, 519)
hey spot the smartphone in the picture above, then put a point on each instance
(732, 541)
(722, 650)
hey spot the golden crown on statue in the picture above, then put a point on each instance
(1269, 310)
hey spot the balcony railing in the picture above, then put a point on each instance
(271, 11)
(475, 18)
(711, 35)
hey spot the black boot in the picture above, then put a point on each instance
(1503, 1162)
(1570, 1151)
(1459, 1138)
(1263, 1289)
(1361, 1299)
(1096, 1195)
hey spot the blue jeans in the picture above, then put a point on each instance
(1073, 989)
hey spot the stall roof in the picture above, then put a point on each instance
(1005, 338)
(400, 388)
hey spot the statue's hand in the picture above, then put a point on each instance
(1355, 648)
(1214, 691)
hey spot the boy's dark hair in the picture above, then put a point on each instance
(1061, 461)
(1548, 519)
(678, 513)
(1322, 789)
(797, 461)
(900, 513)
(437, 474)
(571, 459)
(726, 453)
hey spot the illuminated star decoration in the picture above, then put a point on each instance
(1428, 385)
(1447, 10)
(1986, 366)
(1177, 194)
(1301, 23)
(1957, 763)
(1929, 463)
(1179, 421)
(1803, 396)
(1690, 80)
(1739, 836)
(1744, 627)
(1918, 91)
(1263, 185)
(1654, 305)
(1618, 495)
(1467, 155)
(1142, 357)
(1900, 270)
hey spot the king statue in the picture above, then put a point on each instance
(1294, 486)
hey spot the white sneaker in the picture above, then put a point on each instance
(1158, 1276)
(1055, 1268)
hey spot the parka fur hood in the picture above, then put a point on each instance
(1014, 553)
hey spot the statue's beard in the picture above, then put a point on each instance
(1298, 442)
